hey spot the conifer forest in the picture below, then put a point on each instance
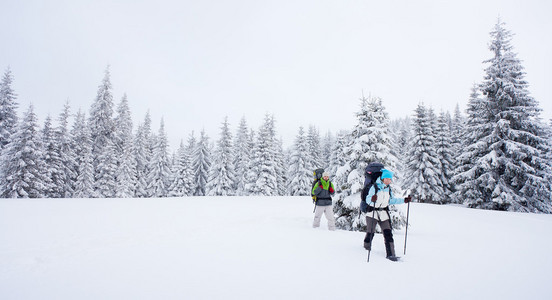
(494, 154)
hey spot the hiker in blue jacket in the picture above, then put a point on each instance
(378, 212)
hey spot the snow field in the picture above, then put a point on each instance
(261, 248)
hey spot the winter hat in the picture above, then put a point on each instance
(386, 174)
(325, 174)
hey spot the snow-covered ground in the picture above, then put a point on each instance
(261, 248)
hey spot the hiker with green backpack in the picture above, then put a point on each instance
(322, 192)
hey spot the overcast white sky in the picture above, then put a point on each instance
(306, 62)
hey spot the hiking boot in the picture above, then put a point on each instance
(390, 249)
(393, 258)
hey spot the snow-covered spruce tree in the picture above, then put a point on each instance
(314, 148)
(264, 160)
(510, 168)
(82, 143)
(201, 164)
(281, 167)
(251, 174)
(126, 171)
(445, 156)
(141, 162)
(8, 115)
(299, 175)
(106, 172)
(67, 155)
(401, 134)
(103, 145)
(423, 171)
(327, 143)
(182, 184)
(475, 129)
(8, 109)
(222, 175)
(242, 157)
(370, 142)
(338, 159)
(457, 131)
(23, 161)
(53, 164)
(143, 151)
(191, 149)
(159, 171)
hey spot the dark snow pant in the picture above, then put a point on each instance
(387, 235)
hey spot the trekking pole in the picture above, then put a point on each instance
(406, 232)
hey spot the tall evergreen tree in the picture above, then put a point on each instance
(475, 129)
(423, 172)
(314, 148)
(445, 157)
(82, 143)
(327, 143)
(103, 144)
(141, 162)
(23, 162)
(66, 146)
(126, 163)
(143, 151)
(510, 166)
(53, 167)
(8, 109)
(182, 184)
(280, 167)
(370, 142)
(264, 160)
(242, 151)
(299, 175)
(222, 175)
(251, 174)
(401, 137)
(201, 164)
(338, 159)
(457, 130)
(160, 171)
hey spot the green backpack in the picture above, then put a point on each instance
(317, 175)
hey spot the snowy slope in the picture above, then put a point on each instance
(261, 248)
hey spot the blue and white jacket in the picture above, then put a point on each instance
(385, 198)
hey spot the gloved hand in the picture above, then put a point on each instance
(407, 199)
(374, 198)
(363, 206)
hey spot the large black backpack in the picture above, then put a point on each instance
(372, 172)
(317, 174)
